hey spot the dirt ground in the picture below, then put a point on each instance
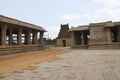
(25, 61)
(75, 65)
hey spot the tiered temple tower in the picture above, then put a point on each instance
(64, 37)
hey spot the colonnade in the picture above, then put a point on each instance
(7, 32)
(81, 39)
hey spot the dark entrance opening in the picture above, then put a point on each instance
(64, 43)
(115, 34)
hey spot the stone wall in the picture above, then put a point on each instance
(98, 34)
(104, 36)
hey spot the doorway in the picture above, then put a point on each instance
(64, 43)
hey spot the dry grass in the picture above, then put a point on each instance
(12, 64)
(30, 67)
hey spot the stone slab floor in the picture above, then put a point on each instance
(76, 65)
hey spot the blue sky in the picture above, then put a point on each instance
(51, 13)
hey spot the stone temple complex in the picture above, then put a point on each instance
(104, 35)
(18, 36)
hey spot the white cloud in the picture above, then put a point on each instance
(70, 17)
(108, 2)
(107, 14)
(52, 32)
(101, 15)
(88, 16)
(111, 11)
(76, 17)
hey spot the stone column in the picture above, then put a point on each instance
(73, 38)
(29, 37)
(86, 39)
(3, 34)
(35, 41)
(109, 35)
(20, 36)
(25, 38)
(10, 37)
(82, 36)
(41, 38)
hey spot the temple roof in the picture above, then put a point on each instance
(80, 28)
(20, 23)
(86, 27)
(64, 32)
(117, 23)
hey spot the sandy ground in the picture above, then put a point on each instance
(77, 65)
(25, 61)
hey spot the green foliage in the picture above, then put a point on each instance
(51, 41)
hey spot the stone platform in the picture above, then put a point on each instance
(79, 46)
(4, 50)
(115, 45)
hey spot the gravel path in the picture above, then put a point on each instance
(77, 65)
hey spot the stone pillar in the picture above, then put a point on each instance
(86, 39)
(3, 34)
(10, 37)
(82, 36)
(109, 35)
(25, 38)
(29, 37)
(20, 36)
(41, 38)
(73, 38)
(35, 41)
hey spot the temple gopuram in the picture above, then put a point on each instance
(64, 37)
